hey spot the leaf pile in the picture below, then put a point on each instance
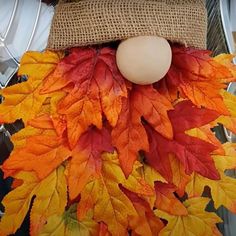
(102, 156)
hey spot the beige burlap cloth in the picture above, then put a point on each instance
(89, 22)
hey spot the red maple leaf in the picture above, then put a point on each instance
(192, 152)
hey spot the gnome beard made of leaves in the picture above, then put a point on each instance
(118, 140)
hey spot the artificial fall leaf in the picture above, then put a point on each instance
(179, 178)
(129, 136)
(86, 161)
(193, 153)
(68, 225)
(23, 101)
(50, 198)
(228, 121)
(197, 222)
(166, 200)
(150, 176)
(145, 223)
(223, 191)
(103, 230)
(226, 60)
(98, 87)
(42, 154)
(104, 195)
(205, 133)
(197, 77)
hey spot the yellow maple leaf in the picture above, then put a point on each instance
(198, 222)
(24, 101)
(223, 191)
(50, 198)
(228, 121)
(68, 225)
(111, 205)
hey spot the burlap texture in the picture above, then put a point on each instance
(89, 22)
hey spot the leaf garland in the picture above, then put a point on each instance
(102, 156)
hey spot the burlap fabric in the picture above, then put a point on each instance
(89, 22)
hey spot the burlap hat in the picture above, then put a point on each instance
(89, 22)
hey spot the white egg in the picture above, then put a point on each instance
(144, 59)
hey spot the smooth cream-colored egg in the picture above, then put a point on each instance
(144, 59)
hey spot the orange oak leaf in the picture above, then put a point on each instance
(104, 195)
(145, 223)
(17, 202)
(98, 87)
(193, 153)
(197, 222)
(24, 101)
(68, 225)
(223, 190)
(197, 77)
(166, 200)
(129, 136)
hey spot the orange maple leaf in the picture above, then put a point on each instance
(97, 88)
(129, 136)
(145, 223)
(197, 77)
(86, 161)
(166, 200)
(42, 154)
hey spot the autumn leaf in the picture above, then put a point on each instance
(205, 133)
(50, 198)
(193, 153)
(223, 190)
(150, 176)
(129, 136)
(23, 101)
(42, 154)
(68, 225)
(86, 161)
(198, 222)
(104, 195)
(226, 60)
(228, 121)
(145, 223)
(166, 200)
(197, 77)
(98, 87)
(103, 230)
(179, 178)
